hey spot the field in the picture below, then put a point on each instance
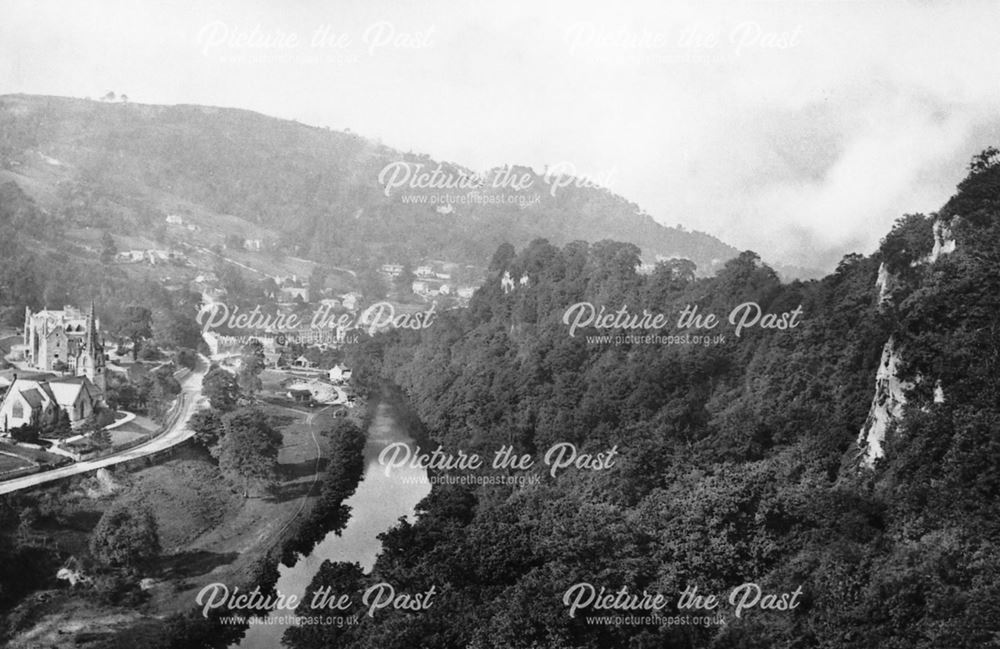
(12, 463)
(32, 455)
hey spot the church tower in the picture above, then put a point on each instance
(92, 356)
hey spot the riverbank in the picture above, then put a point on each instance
(208, 534)
(375, 507)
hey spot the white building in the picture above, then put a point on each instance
(340, 374)
(351, 300)
(38, 402)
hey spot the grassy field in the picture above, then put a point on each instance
(12, 463)
(32, 454)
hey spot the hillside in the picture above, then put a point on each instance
(851, 458)
(303, 190)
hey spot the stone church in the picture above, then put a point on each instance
(65, 341)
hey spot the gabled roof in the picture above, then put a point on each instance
(66, 392)
(33, 397)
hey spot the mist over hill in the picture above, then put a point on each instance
(305, 190)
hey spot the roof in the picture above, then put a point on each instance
(33, 397)
(7, 376)
(66, 392)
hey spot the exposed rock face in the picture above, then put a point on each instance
(886, 408)
(944, 241)
(938, 393)
(507, 282)
(887, 404)
(885, 283)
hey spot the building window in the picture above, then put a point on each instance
(17, 411)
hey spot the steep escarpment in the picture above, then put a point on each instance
(738, 459)
(890, 389)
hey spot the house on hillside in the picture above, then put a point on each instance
(175, 219)
(339, 373)
(392, 270)
(291, 289)
(130, 256)
(253, 245)
(351, 301)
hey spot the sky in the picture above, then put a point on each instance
(798, 129)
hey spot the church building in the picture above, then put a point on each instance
(65, 341)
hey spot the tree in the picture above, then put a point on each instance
(208, 428)
(121, 393)
(127, 536)
(137, 326)
(984, 160)
(372, 285)
(108, 248)
(99, 435)
(61, 426)
(155, 391)
(404, 281)
(173, 325)
(251, 365)
(248, 452)
(269, 287)
(221, 389)
(232, 280)
(27, 434)
(504, 254)
(317, 281)
(185, 357)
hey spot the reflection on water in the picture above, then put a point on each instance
(375, 507)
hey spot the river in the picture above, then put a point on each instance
(376, 506)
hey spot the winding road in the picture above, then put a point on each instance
(176, 432)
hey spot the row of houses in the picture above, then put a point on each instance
(152, 256)
(431, 289)
(178, 220)
(424, 272)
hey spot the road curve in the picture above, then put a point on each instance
(176, 432)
